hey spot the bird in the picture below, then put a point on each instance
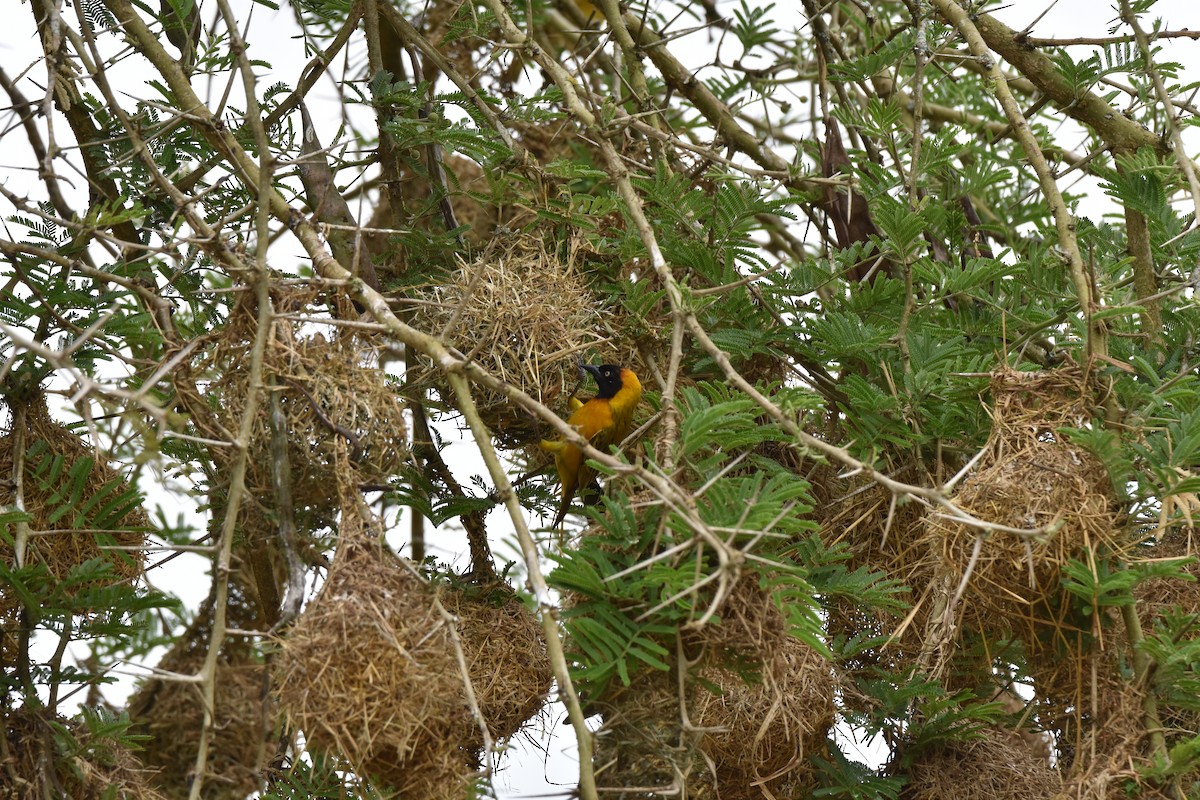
(603, 420)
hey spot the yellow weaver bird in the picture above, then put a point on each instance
(604, 421)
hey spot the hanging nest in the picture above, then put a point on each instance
(880, 529)
(760, 724)
(331, 391)
(48, 756)
(525, 316)
(1159, 595)
(367, 672)
(171, 713)
(881, 533)
(505, 650)
(549, 140)
(1096, 710)
(1029, 477)
(370, 673)
(994, 764)
(1089, 696)
(56, 461)
(1086, 696)
(1179, 597)
(643, 750)
(759, 701)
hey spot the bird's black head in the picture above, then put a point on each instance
(608, 379)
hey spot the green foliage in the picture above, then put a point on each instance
(1083, 74)
(1174, 646)
(866, 66)
(108, 504)
(1099, 587)
(323, 777)
(753, 26)
(627, 603)
(97, 16)
(843, 778)
(610, 636)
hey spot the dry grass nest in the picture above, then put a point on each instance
(171, 713)
(369, 672)
(882, 534)
(331, 391)
(47, 756)
(998, 764)
(880, 529)
(547, 141)
(1158, 595)
(1101, 730)
(55, 460)
(1029, 477)
(1085, 695)
(527, 317)
(759, 701)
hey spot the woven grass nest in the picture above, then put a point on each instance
(1029, 476)
(47, 756)
(996, 764)
(331, 390)
(1090, 701)
(525, 315)
(759, 701)
(1158, 595)
(882, 531)
(171, 713)
(882, 534)
(1095, 707)
(1088, 695)
(369, 672)
(52, 455)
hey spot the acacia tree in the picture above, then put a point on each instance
(915, 461)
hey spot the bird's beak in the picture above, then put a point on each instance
(592, 368)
